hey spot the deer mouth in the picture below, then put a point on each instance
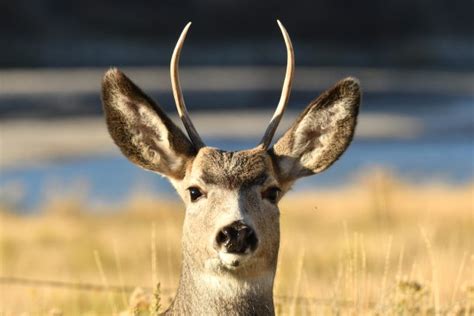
(233, 261)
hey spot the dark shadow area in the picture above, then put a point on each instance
(393, 33)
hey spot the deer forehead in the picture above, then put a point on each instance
(232, 170)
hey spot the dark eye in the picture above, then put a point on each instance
(271, 194)
(194, 193)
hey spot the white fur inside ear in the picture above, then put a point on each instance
(316, 132)
(148, 119)
(152, 121)
(140, 128)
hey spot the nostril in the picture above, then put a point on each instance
(252, 240)
(237, 238)
(222, 237)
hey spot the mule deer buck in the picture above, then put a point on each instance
(231, 230)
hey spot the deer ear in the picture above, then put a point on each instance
(321, 133)
(140, 128)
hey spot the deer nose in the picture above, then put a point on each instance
(237, 238)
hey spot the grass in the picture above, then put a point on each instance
(378, 246)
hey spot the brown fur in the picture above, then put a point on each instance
(137, 138)
(233, 170)
(232, 184)
(340, 131)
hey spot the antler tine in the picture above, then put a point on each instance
(178, 94)
(285, 93)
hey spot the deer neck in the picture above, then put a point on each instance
(222, 294)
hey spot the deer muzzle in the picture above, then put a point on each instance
(237, 238)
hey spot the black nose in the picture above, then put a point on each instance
(237, 238)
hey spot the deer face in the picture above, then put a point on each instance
(232, 218)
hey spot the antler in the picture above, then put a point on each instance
(285, 93)
(276, 118)
(178, 94)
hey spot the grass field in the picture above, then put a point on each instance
(378, 246)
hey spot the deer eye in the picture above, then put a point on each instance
(195, 193)
(271, 194)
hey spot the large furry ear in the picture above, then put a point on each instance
(321, 133)
(140, 128)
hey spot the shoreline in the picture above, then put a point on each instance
(60, 81)
(31, 142)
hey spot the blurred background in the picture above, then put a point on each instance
(414, 59)
(387, 230)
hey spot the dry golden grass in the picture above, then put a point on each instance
(378, 246)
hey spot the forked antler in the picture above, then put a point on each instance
(178, 94)
(285, 92)
(276, 118)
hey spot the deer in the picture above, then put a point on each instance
(231, 229)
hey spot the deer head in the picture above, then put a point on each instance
(231, 228)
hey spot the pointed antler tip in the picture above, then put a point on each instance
(282, 28)
(186, 28)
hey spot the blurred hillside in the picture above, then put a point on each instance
(392, 33)
(414, 59)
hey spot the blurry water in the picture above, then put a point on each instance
(113, 179)
(443, 152)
